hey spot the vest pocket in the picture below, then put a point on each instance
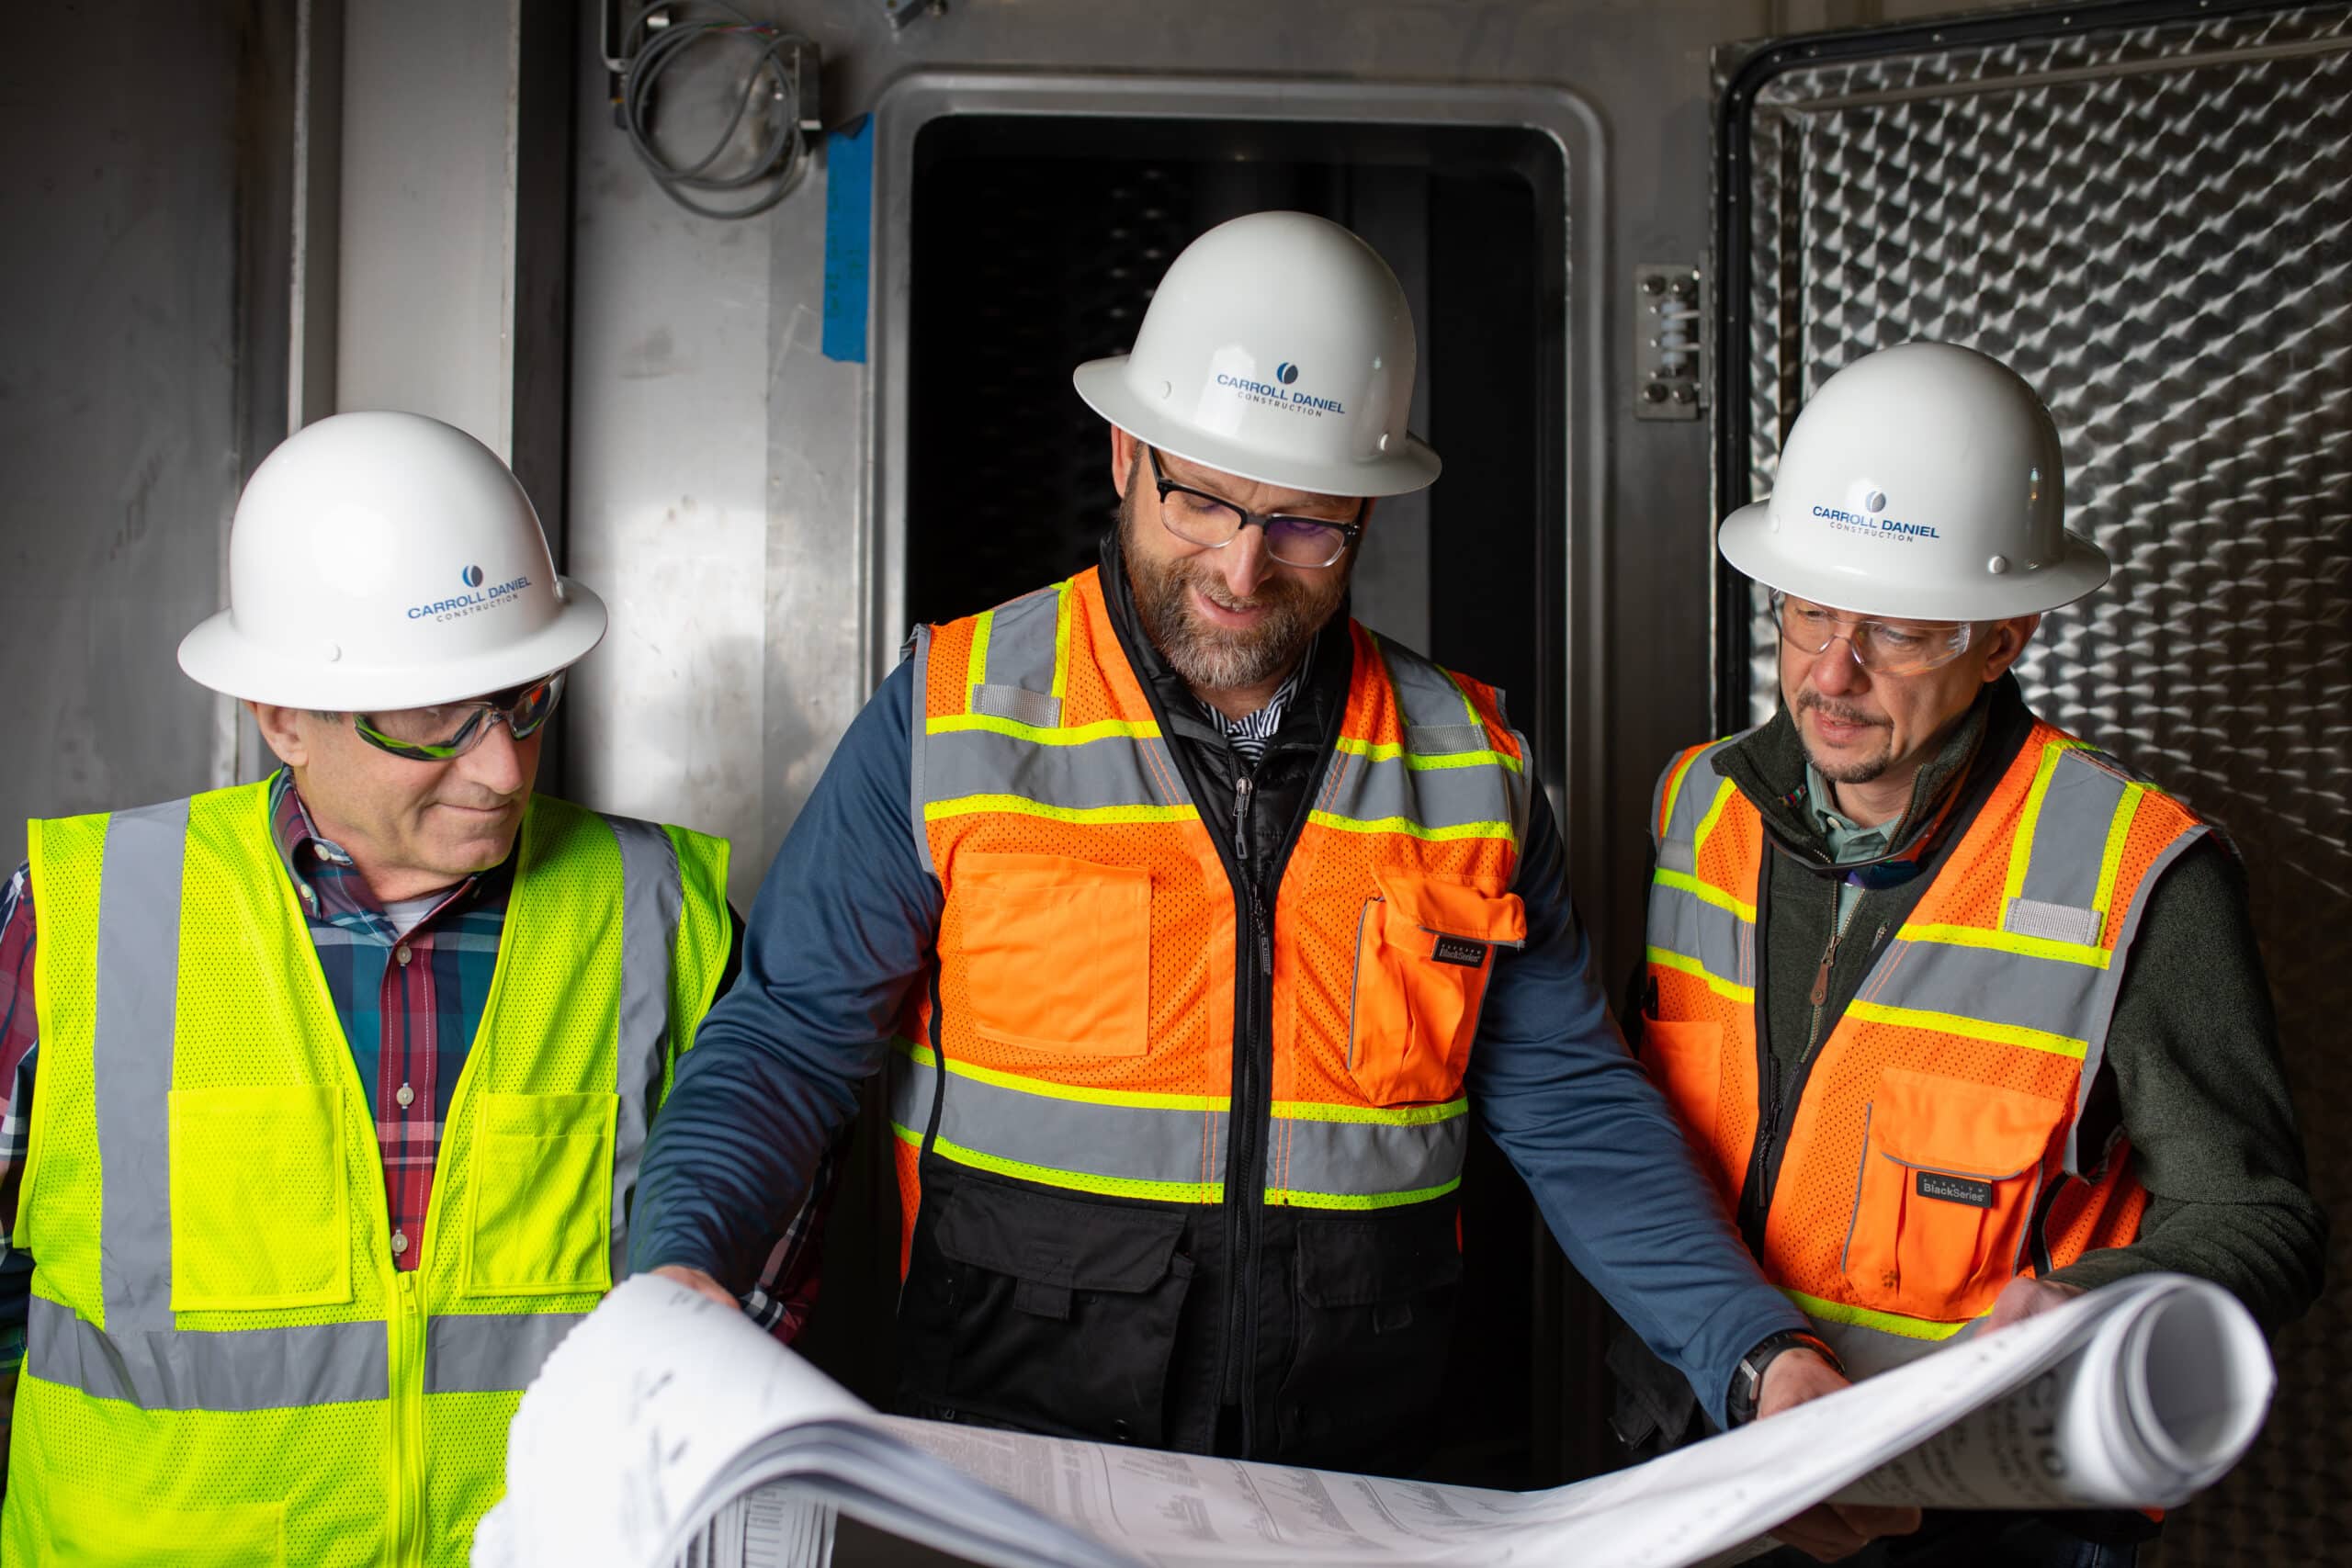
(1056, 952)
(1375, 1316)
(1949, 1171)
(539, 1220)
(261, 1204)
(1052, 1314)
(1425, 946)
(84, 1528)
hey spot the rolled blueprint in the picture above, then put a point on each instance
(2154, 1406)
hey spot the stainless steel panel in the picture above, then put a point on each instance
(2147, 224)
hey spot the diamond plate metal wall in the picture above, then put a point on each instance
(2152, 225)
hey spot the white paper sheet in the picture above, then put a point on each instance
(664, 1411)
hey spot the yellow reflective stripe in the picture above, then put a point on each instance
(1666, 958)
(1863, 1317)
(1706, 893)
(1969, 1028)
(1367, 1115)
(976, 669)
(1724, 793)
(1080, 1181)
(1413, 829)
(1071, 735)
(2110, 864)
(923, 1055)
(2007, 941)
(2021, 852)
(1061, 637)
(1421, 761)
(1016, 805)
(1290, 1199)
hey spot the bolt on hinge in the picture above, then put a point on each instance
(1670, 358)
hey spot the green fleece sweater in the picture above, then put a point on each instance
(2192, 1070)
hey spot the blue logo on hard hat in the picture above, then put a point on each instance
(1286, 372)
(471, 577)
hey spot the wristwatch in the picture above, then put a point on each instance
(1748, 1380)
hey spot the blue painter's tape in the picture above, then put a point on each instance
(849, 230)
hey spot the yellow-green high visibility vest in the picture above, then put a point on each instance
(223, 1365)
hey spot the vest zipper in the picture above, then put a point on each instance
(1255, 960)
(408, 1416)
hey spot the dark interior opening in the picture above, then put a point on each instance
(1036, 245)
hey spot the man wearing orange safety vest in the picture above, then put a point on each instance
(1191, 922)
(1963, 1015)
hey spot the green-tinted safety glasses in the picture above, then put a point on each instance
(452, 730)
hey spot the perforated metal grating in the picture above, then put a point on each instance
(2150, 225)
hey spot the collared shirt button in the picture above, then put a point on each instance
(401, 953)
(406, 1097)
(399, 1243)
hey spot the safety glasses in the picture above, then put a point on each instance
(1883, 647)
(452, 730)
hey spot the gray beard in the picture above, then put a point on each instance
(1209, 657)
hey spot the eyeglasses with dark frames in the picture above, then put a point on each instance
(1212, 522)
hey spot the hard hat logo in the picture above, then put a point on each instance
(500, 596)
(1286, 372)
(1877, 527)
(471, 577)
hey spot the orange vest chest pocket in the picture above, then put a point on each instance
(1057, 952)
(1425, 947)
(1950, 1172)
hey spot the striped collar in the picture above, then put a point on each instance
(1249, 733)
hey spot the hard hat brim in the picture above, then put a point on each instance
(216, 655)
(1748, 542)
(1103, 384)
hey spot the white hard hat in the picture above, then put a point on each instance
(1279, 348)
(386, 561)
(1922, 482)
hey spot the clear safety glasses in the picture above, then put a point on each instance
(1199, 518)
(452, 730)
(1883, 647)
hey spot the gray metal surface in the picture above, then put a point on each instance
(132, 385)
(2150, 225)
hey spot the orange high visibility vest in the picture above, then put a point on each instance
(1087, 953)
(1933, 1154)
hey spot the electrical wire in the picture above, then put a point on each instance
(779, 156)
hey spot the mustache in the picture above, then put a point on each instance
(1840, 712)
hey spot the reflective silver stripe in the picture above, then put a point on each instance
(133, 1024)
(1373, 791)
(1682, 922)
(651, 894)
(1443, 739)
(1021, 643)
(1867, 1351)
(1696, 798)
(1364, 1159)
(2070, 835)
(2102, 1011)
(1113, 771)
(1098, 1145)
(2053, 995)
(498, 1353)
(1427, 697)
(919, 745)
(1123, 1142)
(1018, 704)
(246, 1368)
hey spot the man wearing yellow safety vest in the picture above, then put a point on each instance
(1192, 923)
(344, 1075)
(1963, 1016)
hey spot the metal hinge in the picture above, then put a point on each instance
(1670, 359)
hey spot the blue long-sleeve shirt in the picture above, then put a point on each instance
(844, 925)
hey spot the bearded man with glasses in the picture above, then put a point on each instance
(1190, 923)
(1964, 1016)
(343, 1075)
